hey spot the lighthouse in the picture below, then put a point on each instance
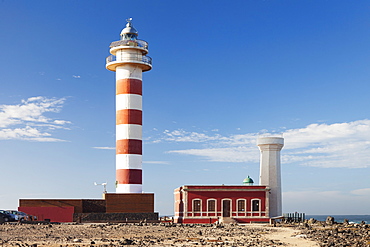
(128, 204)
(270, 171)
(129, 60)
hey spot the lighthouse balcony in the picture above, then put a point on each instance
(145, 62)
(128, 44)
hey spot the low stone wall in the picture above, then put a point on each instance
(93, 206)
(115, 217)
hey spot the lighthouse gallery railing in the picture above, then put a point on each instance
(143, 59)
(128, 42)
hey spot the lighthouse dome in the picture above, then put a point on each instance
(129, 32)
(248, 181)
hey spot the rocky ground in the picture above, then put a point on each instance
(303, 235)
(337, 234)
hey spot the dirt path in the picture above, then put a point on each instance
(290, 237)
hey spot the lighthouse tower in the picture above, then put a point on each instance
(270, 172)
(129, 61)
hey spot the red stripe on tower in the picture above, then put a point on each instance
(129, 176)
(129, 146)
(128, 116)
(131, 86)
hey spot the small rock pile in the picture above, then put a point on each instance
(331, 233)
(340, 236)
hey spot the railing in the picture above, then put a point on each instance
(110, 58)
(132, 43)
(294, 217)
(143, 59)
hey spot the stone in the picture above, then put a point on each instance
(345, 222)
(330, 220)
(311, 221)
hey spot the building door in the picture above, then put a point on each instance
(255, 205)
(226, 208)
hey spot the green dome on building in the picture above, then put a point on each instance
(248, 181)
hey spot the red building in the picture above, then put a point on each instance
(209, 203)
(236, 203)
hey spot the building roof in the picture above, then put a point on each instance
(223, 188)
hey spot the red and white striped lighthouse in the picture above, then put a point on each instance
(129, 60)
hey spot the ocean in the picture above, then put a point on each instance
(340, 218)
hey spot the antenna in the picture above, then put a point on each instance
(105, 186)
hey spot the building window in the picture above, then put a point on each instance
(211, 207)
(196, 205)
(241, 205)
(256, 205)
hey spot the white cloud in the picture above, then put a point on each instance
(361, 192)
(320, 145)
(27, 120)
(184, 136)
(156, 162)
(76, 76)
(335, 145)
(105, 148)
(308, 201)
(323, 133)
(61, 122)
(235, 154)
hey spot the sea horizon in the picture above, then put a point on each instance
(352, 218)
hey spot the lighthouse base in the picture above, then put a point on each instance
(129, 202)
(128, 207)
(116, 217)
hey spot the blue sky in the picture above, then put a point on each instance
(223, 73)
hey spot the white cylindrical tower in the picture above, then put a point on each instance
(129, 60)
(270, 173)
